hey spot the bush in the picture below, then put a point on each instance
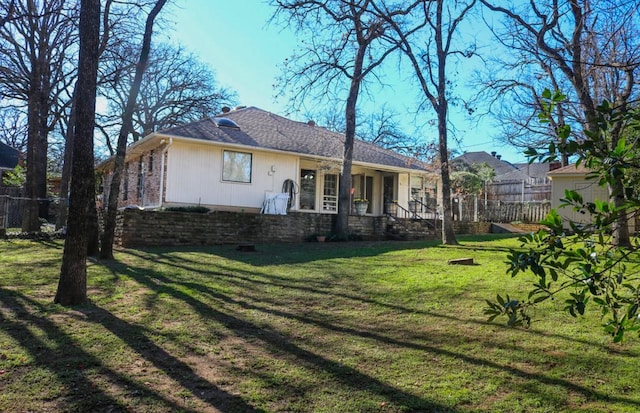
(194, 209)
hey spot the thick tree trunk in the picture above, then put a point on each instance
(620, 233)
(442, 108)
(36, 183)
(106, 246)
(72, 286)
(341, 228)
(448, 234)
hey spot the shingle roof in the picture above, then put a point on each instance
(8, 156)
(262, 129)
(570, 170)
(499, 166)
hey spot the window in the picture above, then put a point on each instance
(236, 166)
(140, 180)
(308, 189)
(330, 199)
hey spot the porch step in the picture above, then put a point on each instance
(401, 232)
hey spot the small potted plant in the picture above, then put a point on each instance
(361, 205)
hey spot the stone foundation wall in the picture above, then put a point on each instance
(463, 227)
(137, 228)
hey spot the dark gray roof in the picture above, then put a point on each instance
(262, 129)
(535, 170)
(8, 156)
(499, 166)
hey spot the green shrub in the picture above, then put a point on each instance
(195, 209)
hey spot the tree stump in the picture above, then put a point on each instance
(461, 261)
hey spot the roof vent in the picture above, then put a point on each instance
(239, 107)
(226, 109)
(311, 123)
(225, 122)
(498, 157)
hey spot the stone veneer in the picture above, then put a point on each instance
(137, 228)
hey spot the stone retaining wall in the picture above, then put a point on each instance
(139, 228)
(463, 227)
(148, 228)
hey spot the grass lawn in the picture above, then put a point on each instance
(312, 327)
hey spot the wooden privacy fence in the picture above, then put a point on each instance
(473, 209)
(519, 191)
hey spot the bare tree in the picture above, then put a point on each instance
(13, 127)
(106, 245)
(346, 43)
(72, 286)
(594, 49)
(427, 42)
(176, 88)
(382, 128)
(34, 69)
(120, 23)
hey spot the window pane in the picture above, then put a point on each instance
(307, 189)
(236, 167)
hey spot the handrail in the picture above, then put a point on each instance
(402, 212)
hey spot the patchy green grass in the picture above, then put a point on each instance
(314, 327)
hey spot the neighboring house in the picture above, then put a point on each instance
(522, 182)
(493, 160)
(238, 159)
(9, 158)
(574, 178)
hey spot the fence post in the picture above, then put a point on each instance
(475, 208)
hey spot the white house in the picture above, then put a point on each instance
(238, 159)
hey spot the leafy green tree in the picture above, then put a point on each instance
(471, 179)
(15, 177)
(581, 263)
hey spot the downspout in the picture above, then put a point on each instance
(162, 168)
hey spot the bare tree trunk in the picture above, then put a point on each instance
(36, 184)
(106, 250)
(448, 234)
(63, 210)
(72, 286)
(344, 201)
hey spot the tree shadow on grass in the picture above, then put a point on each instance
(74, 368)
(345, 375)
(324, 288)
(420, 343)
(272, 340)
(178, 370)
(296, 253)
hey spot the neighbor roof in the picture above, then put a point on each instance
(8, 156)
(261, 129)
(499, 166)
(579, 170)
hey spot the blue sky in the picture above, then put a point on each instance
(235, 39)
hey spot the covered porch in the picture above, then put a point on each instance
(374, 191)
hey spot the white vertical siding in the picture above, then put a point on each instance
(194, 176)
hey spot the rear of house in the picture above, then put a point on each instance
(236, 161)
